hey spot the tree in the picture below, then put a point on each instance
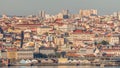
(57, 54)
(104, 42)
(63, 54)
(56, 48)
(51, 55)
(95, 43)
(104, 54)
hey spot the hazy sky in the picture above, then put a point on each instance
(27, 7)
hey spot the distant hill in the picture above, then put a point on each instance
(0, 16)
(11, 16)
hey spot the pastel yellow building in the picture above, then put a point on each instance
(12, 53)
(44, 29)
(62, 60)
(59, 41)
(78, 34)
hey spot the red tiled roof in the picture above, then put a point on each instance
(23, 25)
(89, 55)
(60, 24)
(81, 32)
(58, 19)
(11, 49)
(110, 50)
(78, 31)
(73, 54)
(109, 55)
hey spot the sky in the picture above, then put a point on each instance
(28, 7)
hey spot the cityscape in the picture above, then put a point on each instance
(59, 34)
(84, 38)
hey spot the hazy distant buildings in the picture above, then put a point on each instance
(42, 14)
(65, 14)
(117, 15)
(4, 16)
(87, 13)
(60, 16)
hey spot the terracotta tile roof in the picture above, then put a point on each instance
(31, 25)
(89, 55)
(73, 54)
(11, 49)
(110, 50)
(81, 32)
(109, 55)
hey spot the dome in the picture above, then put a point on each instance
(22, 61)
(28, 61)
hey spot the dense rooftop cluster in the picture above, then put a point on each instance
(69, 35)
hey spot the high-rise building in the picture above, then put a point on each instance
(4, 16)
(42, 14)
(115, 14)
(60, 16)
(87, 12)
(93, 11)
(65, 12)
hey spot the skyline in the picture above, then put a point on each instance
(29, 36)
(28, 7)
